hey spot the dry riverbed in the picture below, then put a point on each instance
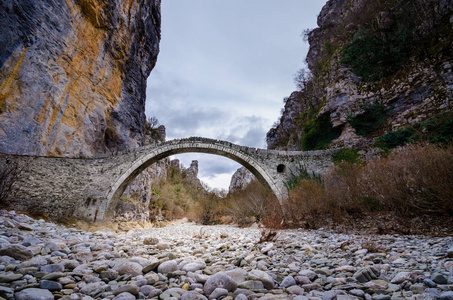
(40, 260)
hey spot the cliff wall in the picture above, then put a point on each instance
(374, 67)
(73, 74)
(240, 179)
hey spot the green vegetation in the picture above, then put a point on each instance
(318, 133)
(389, 36)
(395, 138)
(436, 130)
(296, 178)
(374, 55)
(371, 120)
(175, 195)
(377, 40)
(347, 155)
(179, 196)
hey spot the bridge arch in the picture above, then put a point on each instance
(237, 153)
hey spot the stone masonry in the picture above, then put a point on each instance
(89, 188)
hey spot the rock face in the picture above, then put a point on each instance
(134, 203)
(418, 88)
(240, 179)
(191, 173)
(73, 74)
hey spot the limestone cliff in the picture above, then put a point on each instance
(134, 204)
(191, 174)
(387, 62)
(73, 74)
(240, 179)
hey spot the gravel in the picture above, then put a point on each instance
(41, 260)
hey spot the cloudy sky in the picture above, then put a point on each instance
(223, 70)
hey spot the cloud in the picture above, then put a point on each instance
(246, 131)
(224, 68)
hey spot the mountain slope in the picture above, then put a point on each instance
(374, 67)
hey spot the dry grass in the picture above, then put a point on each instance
(413, 179)
(409, 191)
(202, 235)
(372, 246)
(413, 182)
(255, 203)
(267, 235)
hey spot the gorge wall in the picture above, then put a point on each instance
(240, 179)
(73, 74)
(383, 64)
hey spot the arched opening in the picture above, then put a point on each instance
(281, 168)
(169, 149)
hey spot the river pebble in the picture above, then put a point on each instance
(41, 260)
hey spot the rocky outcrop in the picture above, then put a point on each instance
(73, 74)
(134, 204)
(414, 85)
(240, 179)
(191, 174)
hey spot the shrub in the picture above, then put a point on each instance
(381, 48)
(371, 120)
(209, 209)
(294, 179)
(416, 180)
(349, 155)
(436, 130)
(395, 138)
(252, 204)
(318, 133)
(175, 195)
(375, 55)
(306, 202)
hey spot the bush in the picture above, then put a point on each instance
(395, 138)
(436, 130)
(416, 180)
(349, 155)
(371, 120)
(392, 31)
(175, 195)
(306, 203)
(209, 209)
(255, 203)
(295, 178)
(375, 55)
(318, 133)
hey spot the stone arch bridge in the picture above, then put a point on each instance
(89, 188)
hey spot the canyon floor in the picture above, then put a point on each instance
(41, 260)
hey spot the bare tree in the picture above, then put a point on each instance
(152, 123)
(302, 78)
